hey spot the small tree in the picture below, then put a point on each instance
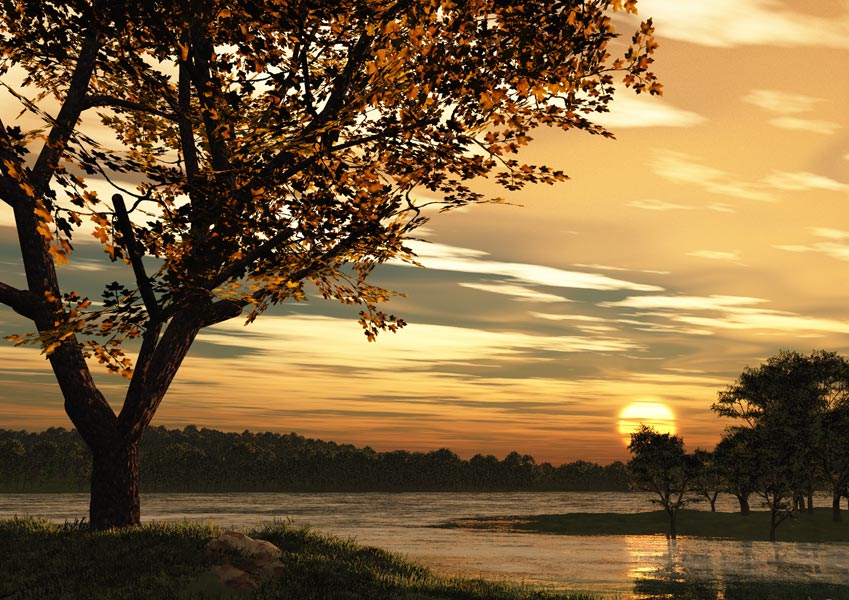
(278, 147)
(733, 459)
(834, 457)
(706, 480)
(777, 480)
(660, 465)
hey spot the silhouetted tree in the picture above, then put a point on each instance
(788, 397)
(739, 474)
(706, 480)
(273, 146)
(659, 465)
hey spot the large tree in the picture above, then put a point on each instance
(272, 145)
(788, 398)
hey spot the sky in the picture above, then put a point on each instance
(712, 233)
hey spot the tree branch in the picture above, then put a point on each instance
(109, 101)
(260, 251)
(22, 302)
(129, 239)
(66, 120)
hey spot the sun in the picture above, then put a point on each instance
(654, 414)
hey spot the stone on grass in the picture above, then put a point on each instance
(244, 560)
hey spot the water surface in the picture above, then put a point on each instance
(403, 522)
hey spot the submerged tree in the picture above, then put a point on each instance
(659, 465)
(274, 145)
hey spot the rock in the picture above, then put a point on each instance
(245, 560)
(234, 578)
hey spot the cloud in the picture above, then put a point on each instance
(550, 317)
(712, 302)
(809, 125)
(517, 291)
(720, 207)
(732, 313)
(465, 260)
(835, 247)
(803, 181)
(715, 254)
(629, 110)
(682, 168)
(418, 347)
(784, 103)
(611, 268)
(729, 23)
(659, 205)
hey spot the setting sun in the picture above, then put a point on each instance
(654, 414)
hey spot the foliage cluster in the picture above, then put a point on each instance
(42, 560)
(197, 460)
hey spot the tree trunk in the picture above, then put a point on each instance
(115, 486)
(673, 524)
(744, 505)
(712, 501)
(772, 525)
(835, 507)
(810, 500)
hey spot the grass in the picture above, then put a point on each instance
(40, 560)
(802, 527)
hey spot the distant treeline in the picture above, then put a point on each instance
(199, 460)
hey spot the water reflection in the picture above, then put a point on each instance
(691, 569)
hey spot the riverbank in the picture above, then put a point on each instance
(801, 527)
(168, 560)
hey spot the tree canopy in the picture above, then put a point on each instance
(258, 148)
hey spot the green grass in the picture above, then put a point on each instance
(40, 560)
(801, 527)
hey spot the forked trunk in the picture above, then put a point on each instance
(115, 486)
(744, 505)
(835, 507)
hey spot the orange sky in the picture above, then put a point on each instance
(712, 233)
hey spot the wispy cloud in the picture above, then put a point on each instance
(787, 106)
(731, 313)
(517, 291)
(835, 244)
(612, 268)
(712, 302)
(784, 103)
(465, 260)
(629, 110)
(716, 255)
(728, 23)
(682, 168)
(809, 125)
(659, 205)
(803, 181)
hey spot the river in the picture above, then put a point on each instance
(402, 522)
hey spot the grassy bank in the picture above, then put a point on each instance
(39, 560)
(802, 527)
